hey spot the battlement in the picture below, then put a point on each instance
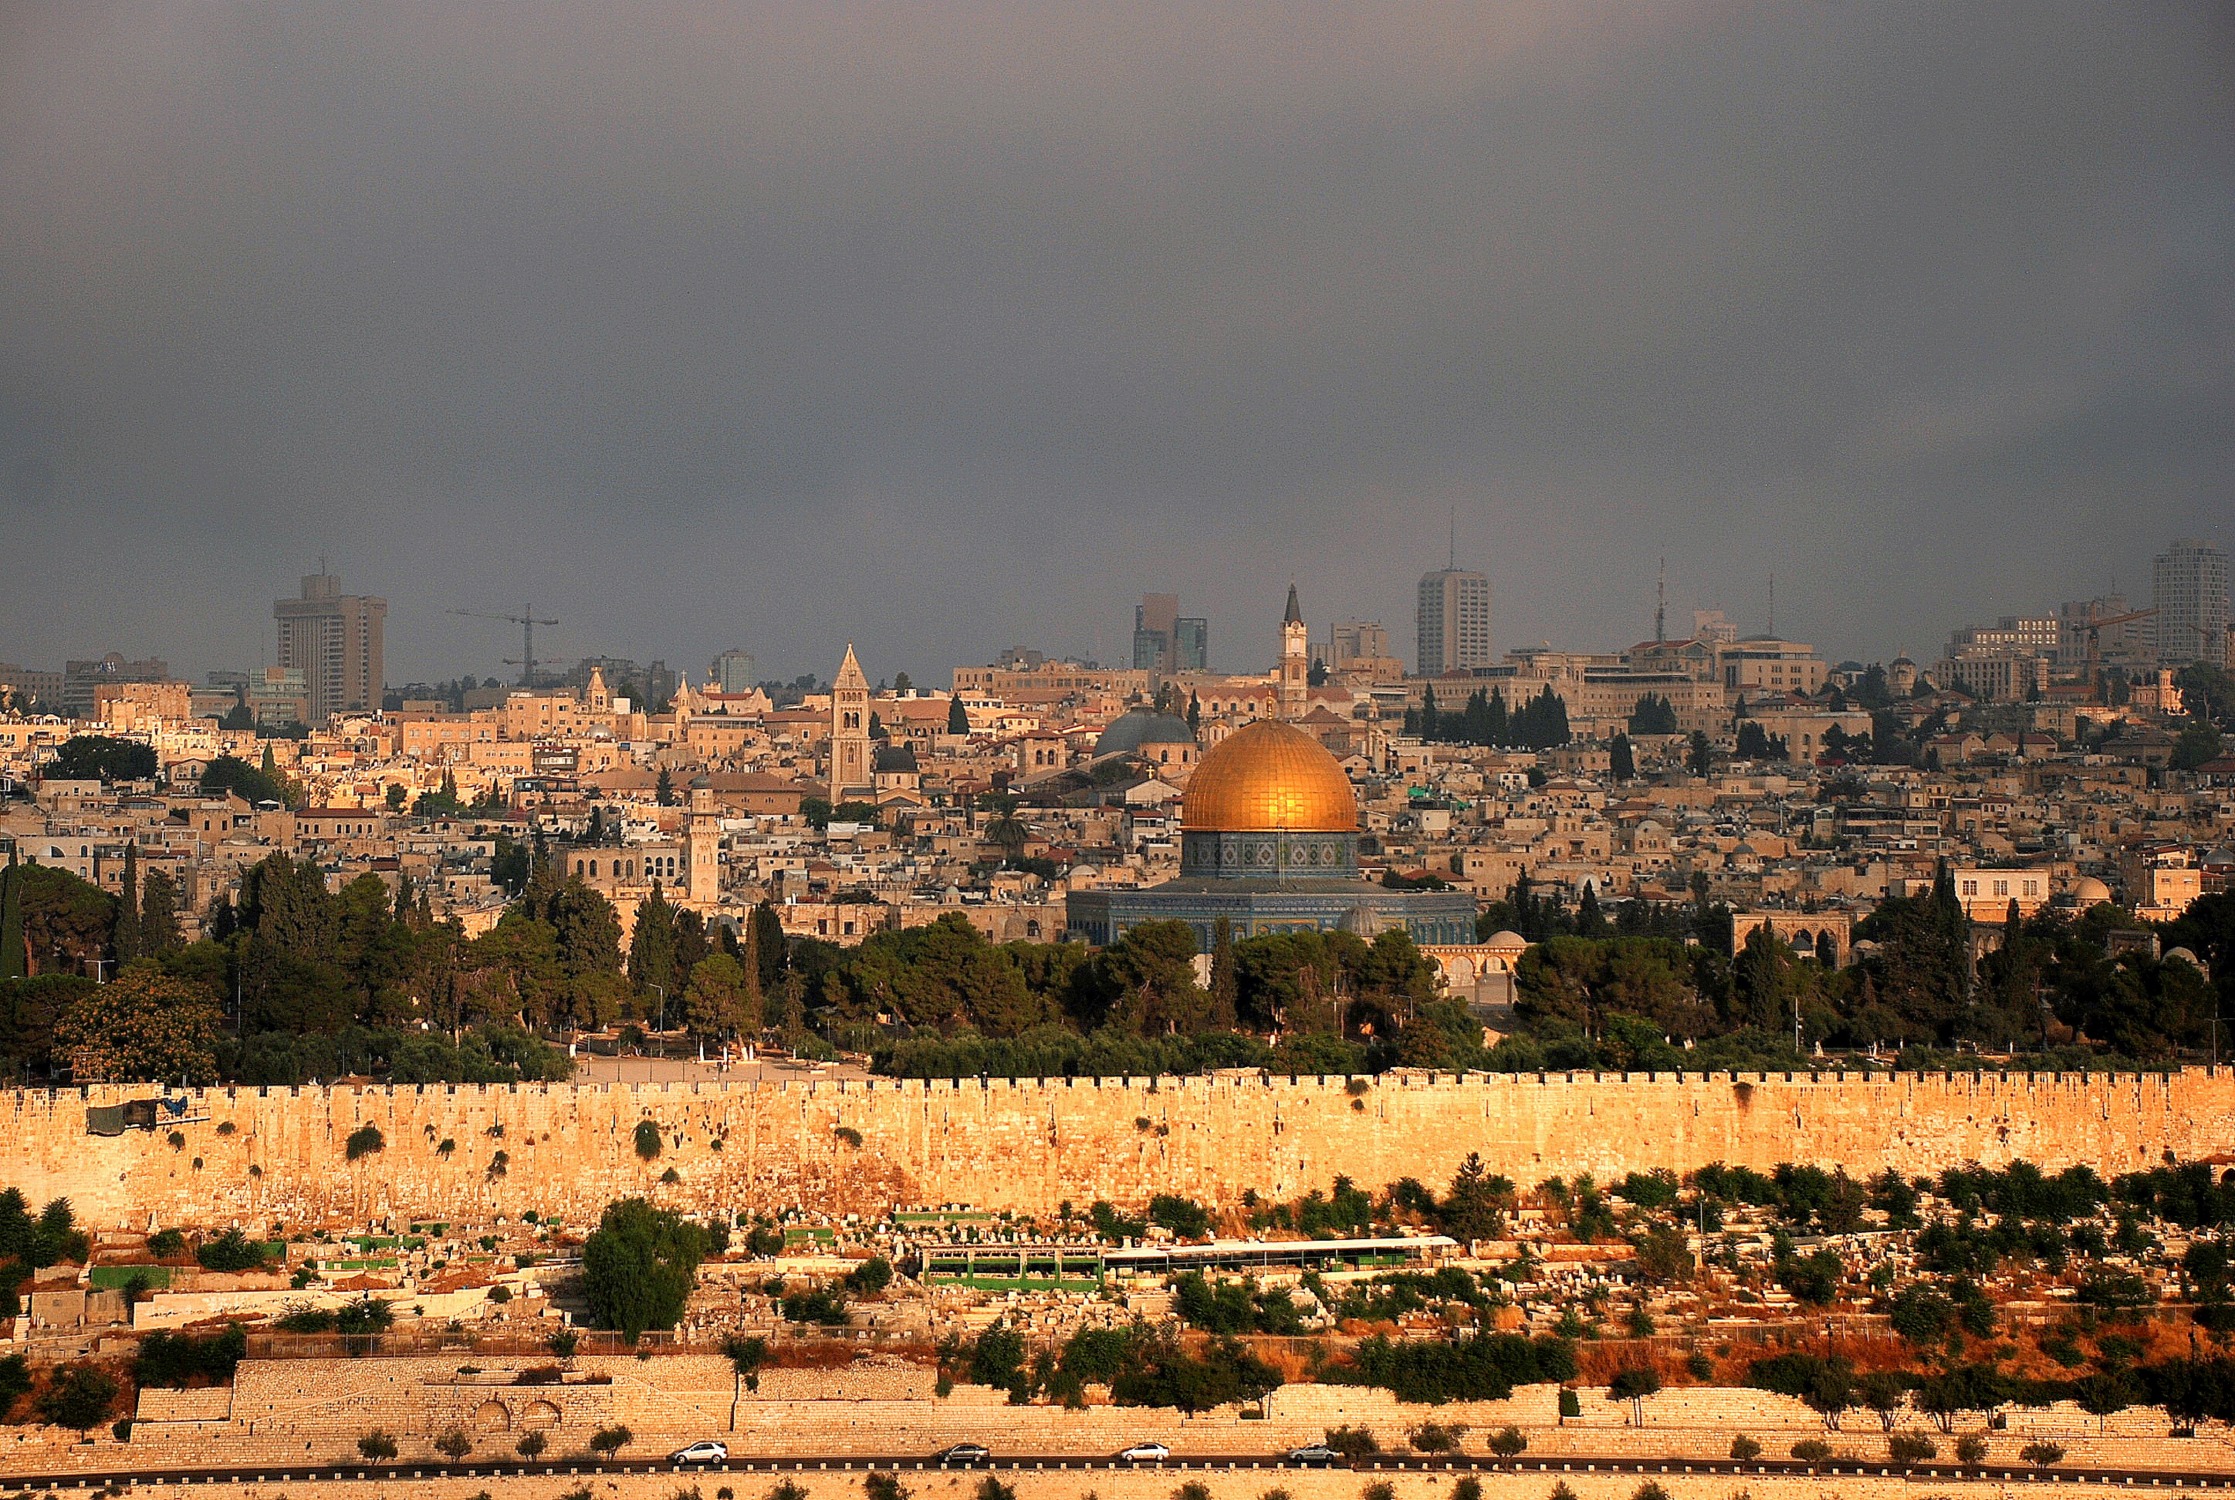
(866, 1144)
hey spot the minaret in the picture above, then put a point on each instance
(702, 849)
(1295, 660)
(849, 731)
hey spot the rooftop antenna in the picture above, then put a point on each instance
(1660, 606)
(1451, 555)
(1773, 606)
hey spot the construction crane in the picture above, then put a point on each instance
(527, 622)
(2094, 627)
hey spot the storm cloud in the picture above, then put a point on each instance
(946, 328)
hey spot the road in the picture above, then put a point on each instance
(265, 1474)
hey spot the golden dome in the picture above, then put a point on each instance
(1265, 777)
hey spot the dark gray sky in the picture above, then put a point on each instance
(947, 327)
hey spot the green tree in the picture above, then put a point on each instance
(89, 757)
(126, 937)
(639, 1265)
(768, 947)
(1151, 973)
(652, 945)
(228, 773)
(14, 956)
(147, 1027)
(958, 717)
(664, 789)
(79, 1397)
(1225, 982)
(159, 925)
(1702, 754)
(1621, 762)
(721, 1000)
(1653, 714)
(2199, 742)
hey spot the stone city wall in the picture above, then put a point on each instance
(469, 1152)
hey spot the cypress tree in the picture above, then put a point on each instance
(768, 946)
(1430, 727)
(958, 717)
(1194, 712)
(159, 929)
(14, 955)
(652, 945)
(1621, 761)
(1225, 982)
(126, 934)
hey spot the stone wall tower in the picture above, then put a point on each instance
(850, 773)
(1294, 684)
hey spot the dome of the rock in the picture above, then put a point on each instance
(1268, 777)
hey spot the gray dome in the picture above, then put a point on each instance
(1136, 727)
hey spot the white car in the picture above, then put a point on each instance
(1145, 1453)
(701, 1453)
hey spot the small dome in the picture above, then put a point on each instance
(1136, 727)
(2089, 891)
(1507, 939)
(1268, 777)
(2185, 956)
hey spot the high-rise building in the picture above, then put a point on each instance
(1356, 640)
(732, 672)
(1454, 623)
(2188, 585)
(334, 640)
(83, 680)
(1164, 640)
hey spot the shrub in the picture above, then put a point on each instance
(1744, 1449)
(1652, 1489)
(363, 1142)
(1509, 1443)
(454, 1444)
(1436, 1437)
(447, 1147)
(871, 1276)
(647, 1140)
(1377, 1489)
(365, 1315)
(230, 1251)
(564, 1343)
(226, 1128)
(376, 1446)
(1971, 1449)
(849, 1135)
(165, 1243)
(671, 1176)
(2042, 1454)
(1571, 1405)
(1352, 1442)
(990, 1488)
(1911, 1448)
(610, 1439)
(1561, 1490)
(531, 1445)
(306, 1320)
(1194, 1489)
(787, 1489)
(1812, 1450)
(121, 1429)
(1468, 1488)
(883, 1487)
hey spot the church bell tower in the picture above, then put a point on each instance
(1295, 661)
(850, 773)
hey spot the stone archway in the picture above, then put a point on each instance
(492, 1416)
(537, 1415)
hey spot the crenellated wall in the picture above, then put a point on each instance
(1030, 1145)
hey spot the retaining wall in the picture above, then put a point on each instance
(568, 1149)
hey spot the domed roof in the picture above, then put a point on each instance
(1269, 776)
(1136, 727)
(2090, 890)
(1506, 937)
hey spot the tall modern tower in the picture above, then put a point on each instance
(334, 640)
(2189, 586)
(1454, 622)
(1164, 640)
